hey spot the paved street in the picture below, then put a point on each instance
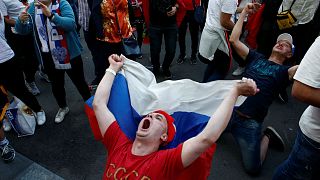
(70, 151)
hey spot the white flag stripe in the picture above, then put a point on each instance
(179, 95)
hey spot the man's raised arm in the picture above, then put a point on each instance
(239, 46)
(101, 98)
(193, 147)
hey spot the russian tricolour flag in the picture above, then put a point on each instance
(135, 93)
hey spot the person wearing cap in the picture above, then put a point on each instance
(271, 77)
(303, 161)
(142, 158)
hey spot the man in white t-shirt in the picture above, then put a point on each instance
(214, 48)
(303, 162)
(11, 76)
(7, 153)
(24, 54)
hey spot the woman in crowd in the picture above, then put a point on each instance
(104, 28)
(58, 46)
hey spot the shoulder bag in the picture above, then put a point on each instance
(286, 19)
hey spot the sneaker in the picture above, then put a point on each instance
(44, 77)
(61, 114)
(275, 139)
(193, 60)
(32, 87)
(41, 117)
(181, 59)
(238, 71)
(7, 153)
(283, 96)
(167, 74)
(6, 125)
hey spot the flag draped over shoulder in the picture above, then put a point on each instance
(136, 93)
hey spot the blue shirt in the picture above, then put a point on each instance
(270, 78)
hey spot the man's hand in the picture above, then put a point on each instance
(116, 62)
(24, 15)
(172, 12)
(246, 87)
(252, 8)
(45, 10)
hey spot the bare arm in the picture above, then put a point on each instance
(193, 147)
(306, 94)
(9, 21)
(101, 98)
(239, 46)
(225, 21)
(292, 71)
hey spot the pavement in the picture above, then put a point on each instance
(68, 150)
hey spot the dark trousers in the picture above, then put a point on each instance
(91, 43)
(102, 51)
(22, 45)
(218, 68)
(194, 33)
(170, 38)
(56, 77)
(11, 77)
(139, 25)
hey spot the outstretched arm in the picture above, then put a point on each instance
(101, 98)
(239, 46)
(193, 147)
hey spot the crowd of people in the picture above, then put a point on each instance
(51, 30)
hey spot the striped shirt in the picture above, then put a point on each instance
(84, 14)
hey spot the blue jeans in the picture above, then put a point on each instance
(247, 133)
(170, 40)
(303, 161)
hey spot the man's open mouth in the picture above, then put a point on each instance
(146, 124)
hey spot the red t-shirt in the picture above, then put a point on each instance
(121, 163)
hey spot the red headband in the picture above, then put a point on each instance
(171, 128)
